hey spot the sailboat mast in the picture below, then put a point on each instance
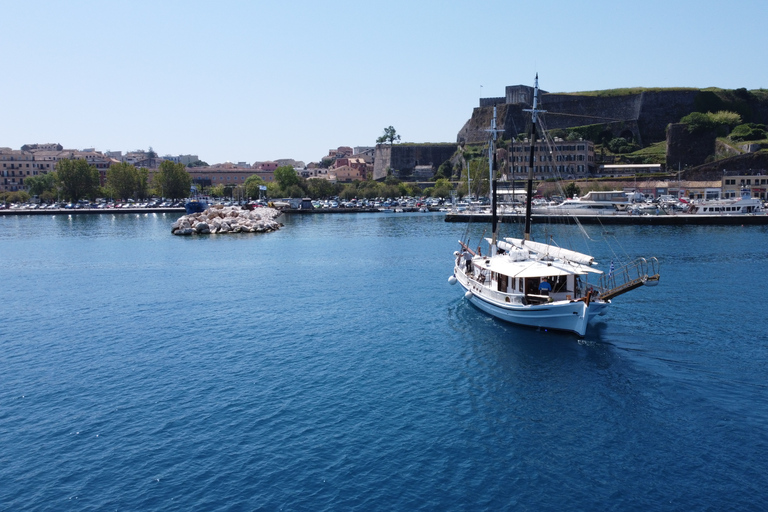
(529, 187)
(492, 181)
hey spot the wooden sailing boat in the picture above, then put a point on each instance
(537, 284)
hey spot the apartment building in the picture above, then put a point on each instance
(15, 166)
(756, 183)
(562, 159)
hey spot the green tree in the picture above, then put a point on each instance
(390, 136)
(77, 179)
(478, 172)
(294, 191)
(621, 145)
(320, 188)
(253, 186)
(444, 171)
(349, 192)
(442, 188)
(142, 183)
(698, 122)
(122, 180)
(217, 190)
(273, 189)
(286, 177)
(572, 189)
(172, 180)
(19, 196)
(38, 185)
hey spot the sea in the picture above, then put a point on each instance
(330, 366)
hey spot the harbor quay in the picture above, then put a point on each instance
(91, 211)
(680, 219)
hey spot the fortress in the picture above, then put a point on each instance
(642, 115)
(646, 115)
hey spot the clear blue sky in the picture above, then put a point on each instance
(261, 80)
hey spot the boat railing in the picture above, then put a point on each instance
(479, 282)
(628, 277)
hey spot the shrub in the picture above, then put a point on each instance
(698, 122)
(620, 145)
(749, 131)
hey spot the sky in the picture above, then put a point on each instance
(248, 81)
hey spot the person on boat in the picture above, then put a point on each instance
(467, 261)
(544, 287)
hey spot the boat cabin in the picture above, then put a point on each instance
(523, 283)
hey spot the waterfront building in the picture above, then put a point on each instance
(346, 174)
(564, 159)
(227, 174)
(15, 166)
(356, 162)
(756, 182)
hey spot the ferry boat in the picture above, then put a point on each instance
(540, 284)
(744, 205)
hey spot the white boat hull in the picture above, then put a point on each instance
(571, 316)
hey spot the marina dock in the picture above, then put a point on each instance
(680, 219)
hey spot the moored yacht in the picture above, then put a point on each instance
(593, 203)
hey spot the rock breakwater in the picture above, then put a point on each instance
(220, 219)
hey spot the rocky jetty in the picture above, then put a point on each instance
(227, 219)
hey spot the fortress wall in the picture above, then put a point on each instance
(645, 114)
(489, 102)
(685, 149)
(589, 108)
(660, 108)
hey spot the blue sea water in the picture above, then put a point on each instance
(330, 366)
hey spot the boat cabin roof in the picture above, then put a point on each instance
(508, 265)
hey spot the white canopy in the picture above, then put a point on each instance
(507, 265)
(552, 251)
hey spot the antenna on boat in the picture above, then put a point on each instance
(529, 189)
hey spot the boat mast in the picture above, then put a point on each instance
(529, 189)
(469, 186)
(492, 181)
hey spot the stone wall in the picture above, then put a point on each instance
(643, 115)
(404, 158)
(741, 164)
(686, 149)
(489, 102)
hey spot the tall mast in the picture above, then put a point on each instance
(529, 189)
(492, 181)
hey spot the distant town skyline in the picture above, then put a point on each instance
(261, 81)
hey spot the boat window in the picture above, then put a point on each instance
(559, 283)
